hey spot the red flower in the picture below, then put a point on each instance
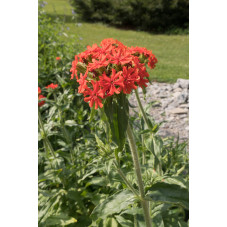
(52, 86)
(98, 63)
(130, 77)
(58, 58)
(152, 61)
(40, 103)
(121, 57)
(109, 83)
(83, 83)
(94, 95)
(39, 90)
(73, 69)
(111, 69)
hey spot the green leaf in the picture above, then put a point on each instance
(92, 114)
(70, 123)
(169, 193)
(60, 220)
(178, 180)
(124, 222)
(157, 221)
(113, 204)
(155, 145)
(97, 181)
(117, 112)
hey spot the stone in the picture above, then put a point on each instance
(178, 89)
(177, 111)
(183, 83)
(176, 94)
(186, 105)
(182, 98)
(176, 85)
(166, 102)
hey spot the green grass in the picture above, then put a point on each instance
(172, 51)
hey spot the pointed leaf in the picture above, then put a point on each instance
(113, 204)
(169, 193)
(117, 112)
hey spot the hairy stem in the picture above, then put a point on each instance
(125, 179)
(135, 158)
(141, 108)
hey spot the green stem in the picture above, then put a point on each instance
(143, 151)
(148, 125)
(135, 158)
(45, 138)
(125, 179)
(141, 108)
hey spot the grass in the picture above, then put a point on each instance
(172, 51)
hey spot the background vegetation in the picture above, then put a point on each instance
(172, 51)
(149, 15)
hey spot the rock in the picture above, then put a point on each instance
(178, 89)
(186, 105)
(177, 111)
(176, 94)
(183, 83)
(182, 98)
(166, 102)
(176, 85)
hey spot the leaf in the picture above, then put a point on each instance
(92, 114)
(65, 34)
(169, 193)
(117, 112)
(178, 180)
(157, 221)
(60, 220)
(97, 181)
(124, 222)
(155, 145)
(88, 174)
(113, 204)
(70, 123)
(73, 194)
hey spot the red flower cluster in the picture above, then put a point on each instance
(52, 86)
(58, 58)
(40, 103)
(111, 69)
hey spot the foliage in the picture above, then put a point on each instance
(82, 185)
(149, 15)
(51, 46)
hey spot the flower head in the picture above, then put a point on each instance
(40, 97)
(58, 58)
(110, 69)
(52, 86)
(41, 103)
(39, 91)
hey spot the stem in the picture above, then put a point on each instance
(143, 152)
(135, 158)
(141, 109)
(148, 125)
(46, 140)
(125, 179)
